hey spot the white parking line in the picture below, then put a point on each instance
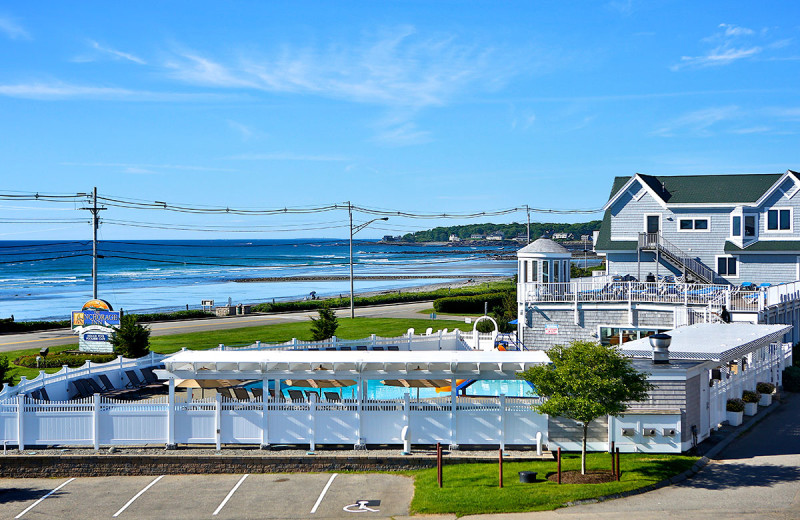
(137, 495)
(322, 495)
(40, 500)
(230, 494)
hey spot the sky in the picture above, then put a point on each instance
(415, 106)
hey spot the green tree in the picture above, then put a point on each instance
(324, 327)
(585, 381)
(131, 340)
(5, 372)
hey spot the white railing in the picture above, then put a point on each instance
(100, 421)
(784, 292)
(657, 241)
(440, 340)
(57, 384)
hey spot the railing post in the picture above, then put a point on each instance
(453, 417)
(502, 433)
(218, 421)
(21, 422)
(312, 427)
(265, 412)
(96, 421)
(171, 415)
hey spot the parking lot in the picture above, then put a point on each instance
(325, 495)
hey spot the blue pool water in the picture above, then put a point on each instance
(377, 390)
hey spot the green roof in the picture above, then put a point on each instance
(604, 242)
(708, 189)
(789, 246)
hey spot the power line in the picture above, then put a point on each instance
(43, 259)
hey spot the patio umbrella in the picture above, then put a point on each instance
(417, 383)
(320, 383)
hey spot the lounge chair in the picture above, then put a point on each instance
(82, 390)
(258, 392)
(241, 393)
(43, 394)
(377, 348)
(149, 376)
(330, 348)
(345, 348)
(91, 383)
(226, 393)
(312, 348)
(106, 382)
(394, 348)
(332, 397)
(34, 395)
(361, 347)
(296, 395)
(133, 379)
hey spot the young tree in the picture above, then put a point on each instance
(325, 325)
(585, 381)
(131, 340)
(5, 372)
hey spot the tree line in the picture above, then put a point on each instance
(538, 229)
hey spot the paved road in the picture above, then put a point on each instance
(190, 497)
(757, 476)
(64, 336)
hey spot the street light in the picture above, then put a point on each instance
(353, 231)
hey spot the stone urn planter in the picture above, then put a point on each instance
(734, 418)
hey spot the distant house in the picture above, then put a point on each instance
(477, 236)
(521, 238)
(387, 238)
(563, 236)
(497, 235)
(586, 238)
(453, 238)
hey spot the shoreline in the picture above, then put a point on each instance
(345, 278)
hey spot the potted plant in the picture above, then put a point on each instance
(766, 390)
(751, 400)
(734, 410)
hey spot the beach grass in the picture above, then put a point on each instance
(470, 489)
(349, 328)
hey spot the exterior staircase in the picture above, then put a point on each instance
(692, 269)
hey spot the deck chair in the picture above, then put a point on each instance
(140, 385)
(296, 395)
(106, 382)
(258, 392)
(345, 348)
(312, 348)
(91, 383)
(332, 397)
(241, 393)
(377, 348)
(361, 347)
(34, 395)
(394, 348)
(226, 393)
(134, 381)
(149, 376)
(43, 394)
(82, 390)
(330, 348)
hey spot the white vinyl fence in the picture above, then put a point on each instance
(100, 421)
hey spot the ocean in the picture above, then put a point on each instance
(47, 280)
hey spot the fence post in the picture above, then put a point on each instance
(96, 421)
(171, 415)
(258, 344)
(500, 464)
(218, 421)
(312, 428)
(65, 370)
(265, 412)
(558, 465)
(21, 422)
(374, 339)
(502, 433)
(453, 414)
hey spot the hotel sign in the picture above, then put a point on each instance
(95, 324)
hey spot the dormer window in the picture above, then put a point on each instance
(749, 226)
(736, 226)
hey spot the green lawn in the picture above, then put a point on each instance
(349, 328)
(473, 488)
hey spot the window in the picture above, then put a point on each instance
(652, 223)
(545, 277)
(693, 224)
(737, 226)
(749, 226)
(726, 266)
(555, 272)
(535, 273)
(779, 220)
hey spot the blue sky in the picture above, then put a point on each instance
(416, 106)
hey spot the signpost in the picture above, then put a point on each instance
(94, 324)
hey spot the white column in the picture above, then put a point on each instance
(264, 413)
(96, 421)
(21, 422)
(218, 421)
(359, 404)
(171, 415)
(312, 421)
(453, 418)
(502, 433)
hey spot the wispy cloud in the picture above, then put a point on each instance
(59, 90)
(109, 52)
(243, 130)
(397, 67)
(139, 171)
(698, 122)
(287, 156)
(13, 30)
(147, 168)
(731, 43)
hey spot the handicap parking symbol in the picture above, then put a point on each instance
(363, 506)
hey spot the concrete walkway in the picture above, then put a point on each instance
(756, 476)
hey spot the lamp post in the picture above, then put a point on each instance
(353, 231)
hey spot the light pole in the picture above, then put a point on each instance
(353, 231)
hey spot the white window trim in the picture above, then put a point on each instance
(693, 219)
(738, 266)
(779, 231)
(660, 221)
(746, 238)
(797, 271)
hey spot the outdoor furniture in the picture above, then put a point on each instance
(332, 397)
(377, 348)
(138, 384)
(149, 377)
(258, 392)
(81, 389)
(345, 348)
(330, 348)
(361, 347)
(226, 393)
(296, 395)
(394, 348)
(43, 394)
(106, 382)
(34, 395)
(241, 393)
(91, 383)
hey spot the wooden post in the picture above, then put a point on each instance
(559, 466)
(613, 466)
(500, 453)
(439, 463)
(618, 470)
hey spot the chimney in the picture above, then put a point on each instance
(660, 344)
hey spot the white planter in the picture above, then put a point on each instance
(766, 400)
(734, 418)
(750, 408)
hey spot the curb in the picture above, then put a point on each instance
(699, 465)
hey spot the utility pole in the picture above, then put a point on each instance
(95, 223)
(528, 211)
(352, 304)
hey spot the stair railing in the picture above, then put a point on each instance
(657, 241)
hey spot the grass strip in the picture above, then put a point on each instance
(471, 489)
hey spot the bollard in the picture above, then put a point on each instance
(500, 454)
(559, 466)
(613, 467)
(439, 463)
(618, 470)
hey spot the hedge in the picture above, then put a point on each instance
(9, 325)
(791, 379)
(60, 359)
(468, 304)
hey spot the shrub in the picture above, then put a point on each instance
(131, 340)
(734, 405)
(9, 325)
(469, 304)
(750, 397)
(169, 316)
(60, 359)
(324, 327)
(5, 372)
(765, 388)
(791, 379)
